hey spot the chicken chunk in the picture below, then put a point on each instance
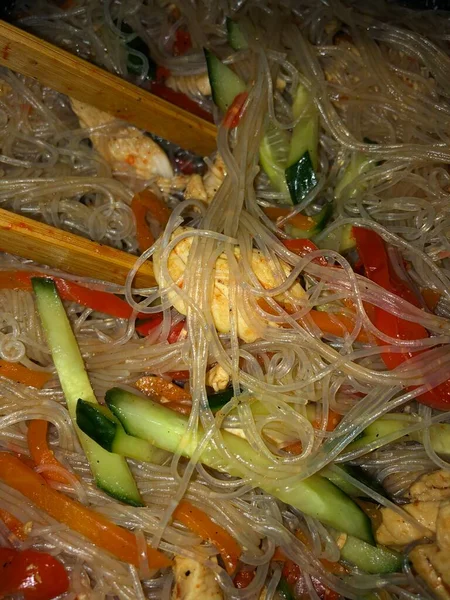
(127, 147)
(397, 531)
(195, 190)
(194, 581)
(220, 304)
(431, 486)
(217, 378)
(432, 564)
(214, 177)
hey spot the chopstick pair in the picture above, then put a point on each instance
(70, 75)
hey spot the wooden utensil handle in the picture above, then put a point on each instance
(68, 252)
(71, 75)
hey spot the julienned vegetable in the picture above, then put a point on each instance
(289, 161)
(203, 526)
(68, 290)
(165, 429)
(34, 575)
(395, 426)
(22, 374)
(41, 453)
(120, 542)
(111, 471)
(373, 254)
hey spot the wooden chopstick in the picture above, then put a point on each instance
(68, 252)
(73, 76)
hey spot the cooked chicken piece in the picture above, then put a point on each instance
(169, 185)
(192, 85)
(195, 190)
(126, 147)
(432, 564)
(431, 486)
(443, 528)
(396, 531)
(217, 378)
(193, 581)
(220, 305)
(214, 177)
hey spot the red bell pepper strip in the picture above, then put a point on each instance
(180, 100)
(303, 247)
(235, 111)
(373, 254)
(35, 575)
(182, 43)
(147, 326)
(68, 290)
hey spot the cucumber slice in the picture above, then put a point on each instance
(235, 36)
(372, 559)
(359, 163)
(110, 471)
(225, 84)
(337, 476)
(301, 178)
(305, 136)
(164, 428)
(439, 434)
(102, 426)
(273, 153)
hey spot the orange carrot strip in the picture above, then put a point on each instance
(114, 539)
(13, 524)
(21, 374)
(299, 221)
(41, 453)
(333, 421)
(144, 236)
(202, 525)
(431, 298)
(157, 208)
(157, 386)
(338, 325)
(279, 555)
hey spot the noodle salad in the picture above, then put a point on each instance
(270, 420)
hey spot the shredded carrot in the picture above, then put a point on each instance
(336, 324)
(158, 208)
(333, 421)
(202, 525)
(279, 555)
(157, 386)
(431, 298)
(41, 453)
(144, 236)
(107, 535)
(298, 221)
(13, 524)
(21, 374)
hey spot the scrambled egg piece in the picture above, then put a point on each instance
(217, 378)
(194, 581)
(430, 505)
(127, 147)
(220, 304)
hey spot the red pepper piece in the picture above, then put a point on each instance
(302, 247)
(235, 111)
(180, 100)
(36, 575)
(182, 43)
(373, 254)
